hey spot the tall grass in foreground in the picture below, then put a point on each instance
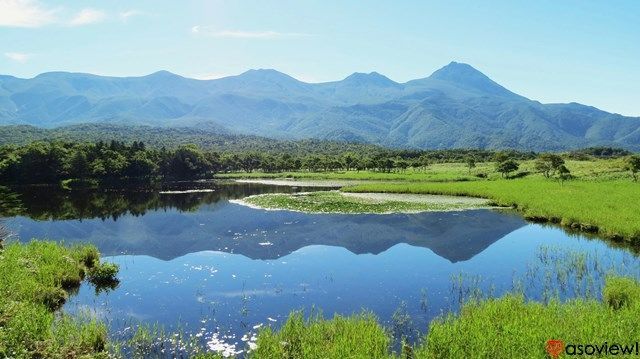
(511, 327)
(38, 276)
(507, 327)
(358, 336)
(611, 209)
(36, 280)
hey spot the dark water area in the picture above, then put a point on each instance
(196, 262)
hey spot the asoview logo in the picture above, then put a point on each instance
(557, 347)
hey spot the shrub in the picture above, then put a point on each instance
(88, 255)
(104, 274)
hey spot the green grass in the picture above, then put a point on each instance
(436, 172)
(36, 280)
(359, 336)
(610, 208)
(506, 327)
(38, 276)
(335, 202)
(510, 327)
(595, 170)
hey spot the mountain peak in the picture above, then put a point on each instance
(466, 76)
(372, 78)
(270, 75)
(163, 74)
(458, 72)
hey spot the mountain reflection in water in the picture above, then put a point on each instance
(170, 225)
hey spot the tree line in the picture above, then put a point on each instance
(55, 161)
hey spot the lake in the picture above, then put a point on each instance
(192, 261)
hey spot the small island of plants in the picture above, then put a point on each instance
(337, 202)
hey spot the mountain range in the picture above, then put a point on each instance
(456, 107)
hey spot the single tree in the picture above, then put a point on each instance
(506, 167)
(548, 163)
(423, 162)
(471, 163)
(563, 173)
(633, 165)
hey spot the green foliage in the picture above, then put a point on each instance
(610, 208)
(633, 165)
(56, 161)
(104, 274)
(598, 152)
(359, 336)
(511, 327)
(335, 202)
(506, 167)
(563, 173)
(621, 292)
(471, 163)
(36, 278)
(52, 162)
(548, 163)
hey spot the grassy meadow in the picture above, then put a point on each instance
(592, 170)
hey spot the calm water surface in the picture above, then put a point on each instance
(195, 262)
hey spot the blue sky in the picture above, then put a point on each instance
(551, 51)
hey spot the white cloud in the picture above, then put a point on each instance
(17, 56)
(87, 16)
(24, 13)
(125, 15)
(238, 34)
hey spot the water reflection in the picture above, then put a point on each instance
(54, 203)
(167, 226)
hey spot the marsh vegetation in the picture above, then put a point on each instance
(337, 202)
(37, 278)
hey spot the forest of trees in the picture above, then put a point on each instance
(51, 162)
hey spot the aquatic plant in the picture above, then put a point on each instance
(336, 202)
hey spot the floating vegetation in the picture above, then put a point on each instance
(337, 202)
(188, 191)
